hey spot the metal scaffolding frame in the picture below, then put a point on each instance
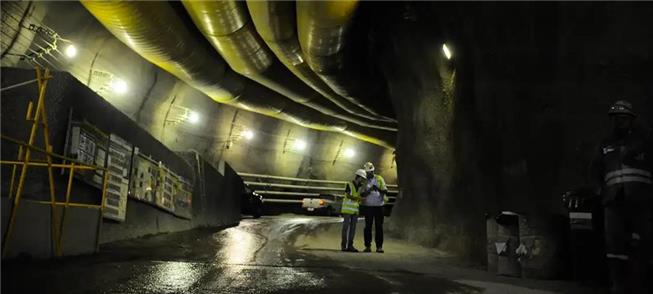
(24, 160)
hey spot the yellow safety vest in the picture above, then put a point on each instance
(351, 202)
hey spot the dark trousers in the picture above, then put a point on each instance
(373, 215)
(348, 231)
(628, 245)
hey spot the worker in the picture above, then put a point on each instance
(623, 168)
(349, 210)
(372, 208)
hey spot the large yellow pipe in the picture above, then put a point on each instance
(227, 26)
(276, 23)
(154, 31)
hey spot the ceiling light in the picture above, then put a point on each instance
(248, 134)
(193, 117)
(349, 153)
(119, 86)
(70, 51)
(447, 52)
(300, 145)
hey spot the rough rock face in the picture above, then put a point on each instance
(512, 120)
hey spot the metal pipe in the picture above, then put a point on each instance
(98, 231)
(272, 185)
(322, 27)
(275, 23)
(298, 194)
(282, 201)
(290, 178)
(155, 31)
(261, 176)
(227, 26)
(18, 85)
(42, 164)
(43, 151)
(83, 205)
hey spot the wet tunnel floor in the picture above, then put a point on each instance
(284, 254)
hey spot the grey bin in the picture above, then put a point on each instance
(502, 243)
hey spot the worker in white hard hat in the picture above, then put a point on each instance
(349, 210)
(372, 208)
(623, 168)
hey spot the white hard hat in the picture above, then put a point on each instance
(622, 107)
(361, 173)
(368, 166)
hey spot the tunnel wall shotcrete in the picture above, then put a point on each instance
(155, 96)
(216, 194)
(514, 118)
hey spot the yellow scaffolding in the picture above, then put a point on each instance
(25, 149)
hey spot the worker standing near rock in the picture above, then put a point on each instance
(624, 168)
(349, 210)
(372, 208)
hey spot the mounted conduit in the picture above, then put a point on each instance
(154, 31)
(227, 26)
(322, 27)
(275, 23)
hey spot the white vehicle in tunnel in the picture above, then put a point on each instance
(324, 204)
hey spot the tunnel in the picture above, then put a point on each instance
(211, 146)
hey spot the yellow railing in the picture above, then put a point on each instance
(24, 161)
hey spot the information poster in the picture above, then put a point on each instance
(119, 160)
(166, 190)
(144, 177)
(183, 198)
(89, 146)
(131, 173)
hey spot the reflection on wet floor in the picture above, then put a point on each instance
(284, 254)
(239, 246)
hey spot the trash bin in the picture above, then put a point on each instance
(586, 243)
(503, 244)
(541, 246)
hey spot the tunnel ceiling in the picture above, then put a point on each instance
(290, 72)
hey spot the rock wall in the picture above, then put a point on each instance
(513, 119)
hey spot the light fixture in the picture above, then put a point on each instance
(193, 117)
(119, 86)
(349, 153)
(70, 51)
(248, 134)
(447, 52)
(300, 145)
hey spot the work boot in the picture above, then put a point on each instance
(367, 249)
(379, 250)
(352, 249)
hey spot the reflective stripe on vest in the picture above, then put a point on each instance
(617, 256)
(350, 206)
(629, 174)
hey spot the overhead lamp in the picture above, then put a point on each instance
(70, 51)
(447, 52)
(300, 145)
(349, 153)
(193, 117)
(119, 86)
(248, 134)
